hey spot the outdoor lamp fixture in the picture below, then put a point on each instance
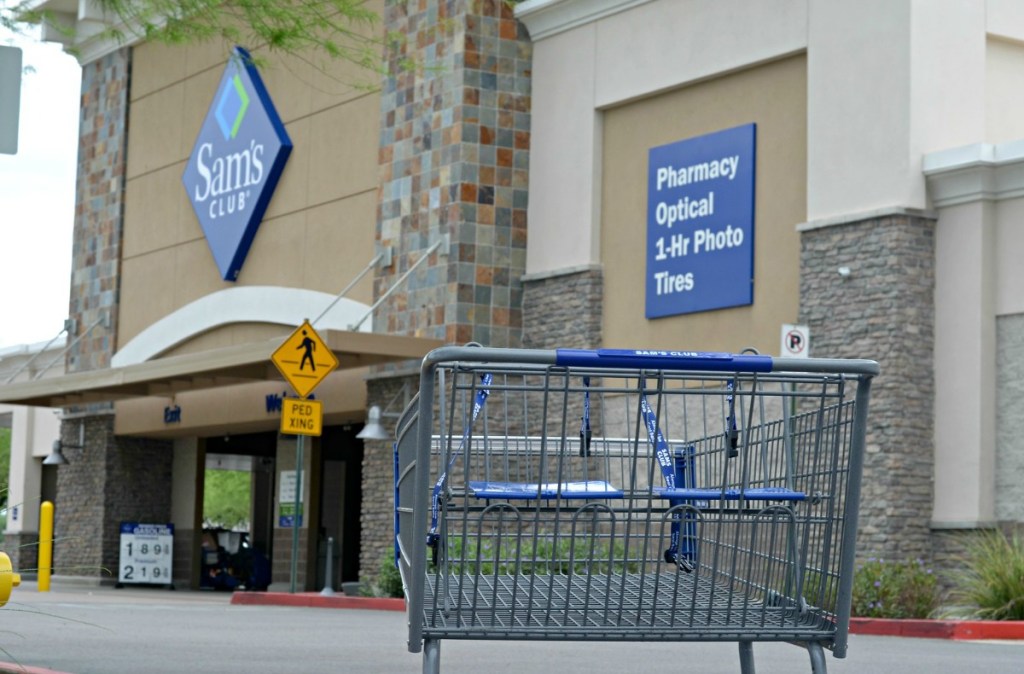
(56, 457)
(373, 430)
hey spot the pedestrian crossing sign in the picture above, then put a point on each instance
(304, 359)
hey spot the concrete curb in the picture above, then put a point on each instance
(316, 600)
(962, 630)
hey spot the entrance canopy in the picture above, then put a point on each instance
(217, 367)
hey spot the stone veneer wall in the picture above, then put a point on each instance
(883, 310)
(1010, 418)
(377, 517)
(109, 481)
(23, 549)
(563, 310)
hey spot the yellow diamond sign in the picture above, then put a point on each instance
(304, 359)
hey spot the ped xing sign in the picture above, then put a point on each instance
(235, 164)
(700, 223)
(302, 417)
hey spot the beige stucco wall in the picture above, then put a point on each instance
(773, 96)
(318, 231)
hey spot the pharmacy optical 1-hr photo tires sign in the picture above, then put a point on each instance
(700, 223)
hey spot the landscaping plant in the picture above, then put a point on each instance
(891, 589)
(990, 585)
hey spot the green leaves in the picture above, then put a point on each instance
(894, 590)
(990, 586)
(226, 496)
(345, 30)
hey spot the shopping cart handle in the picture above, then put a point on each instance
(656, 359)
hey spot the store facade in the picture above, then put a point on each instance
(599, 173)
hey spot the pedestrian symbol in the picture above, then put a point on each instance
(308, 346)
(304, 359)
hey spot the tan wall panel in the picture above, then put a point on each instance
(147, 292)
(153, 204)
(774, 96)
(319, 229)
(278, 253)
(205, 56)
(292, 189)
(155, 133)
(345, 140)
(195, 272)
(155, 66)
(287, 78)
(336, 248)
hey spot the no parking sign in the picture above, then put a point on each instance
(796, 341)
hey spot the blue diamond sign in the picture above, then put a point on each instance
(236, 163)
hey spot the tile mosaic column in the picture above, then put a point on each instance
(109, 479)
(454, 154)
(455, 139)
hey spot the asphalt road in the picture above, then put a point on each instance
(108, 631)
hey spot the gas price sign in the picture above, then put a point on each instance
(146, 553)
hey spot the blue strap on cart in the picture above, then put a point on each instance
(585, 432)
(674, 554)
(433, 537)
(732, 435)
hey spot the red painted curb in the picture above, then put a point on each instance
(939, 629)
(316, 600)
(12, 668)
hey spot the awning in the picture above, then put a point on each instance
(208, 369)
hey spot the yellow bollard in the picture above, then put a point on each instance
(45, 545)
(8, 579)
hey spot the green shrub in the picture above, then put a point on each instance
(894, 590)
(990, 586)
(389, 580)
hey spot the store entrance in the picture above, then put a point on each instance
(238, 511)
(340, 498)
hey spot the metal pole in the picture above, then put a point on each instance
(296, 516)
(337, 298)
(328, 590)
(396, 286)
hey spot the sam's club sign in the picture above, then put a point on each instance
(700, 223)
(236, 163)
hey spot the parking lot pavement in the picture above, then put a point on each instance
(108, 631)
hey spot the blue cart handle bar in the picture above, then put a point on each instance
(660, 360)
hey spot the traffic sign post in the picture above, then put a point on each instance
(305, 361)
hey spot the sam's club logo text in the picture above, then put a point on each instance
(236, 163)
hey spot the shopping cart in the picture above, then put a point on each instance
(630, 496)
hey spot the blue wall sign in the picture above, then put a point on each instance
(700, 223)
(235, 164)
